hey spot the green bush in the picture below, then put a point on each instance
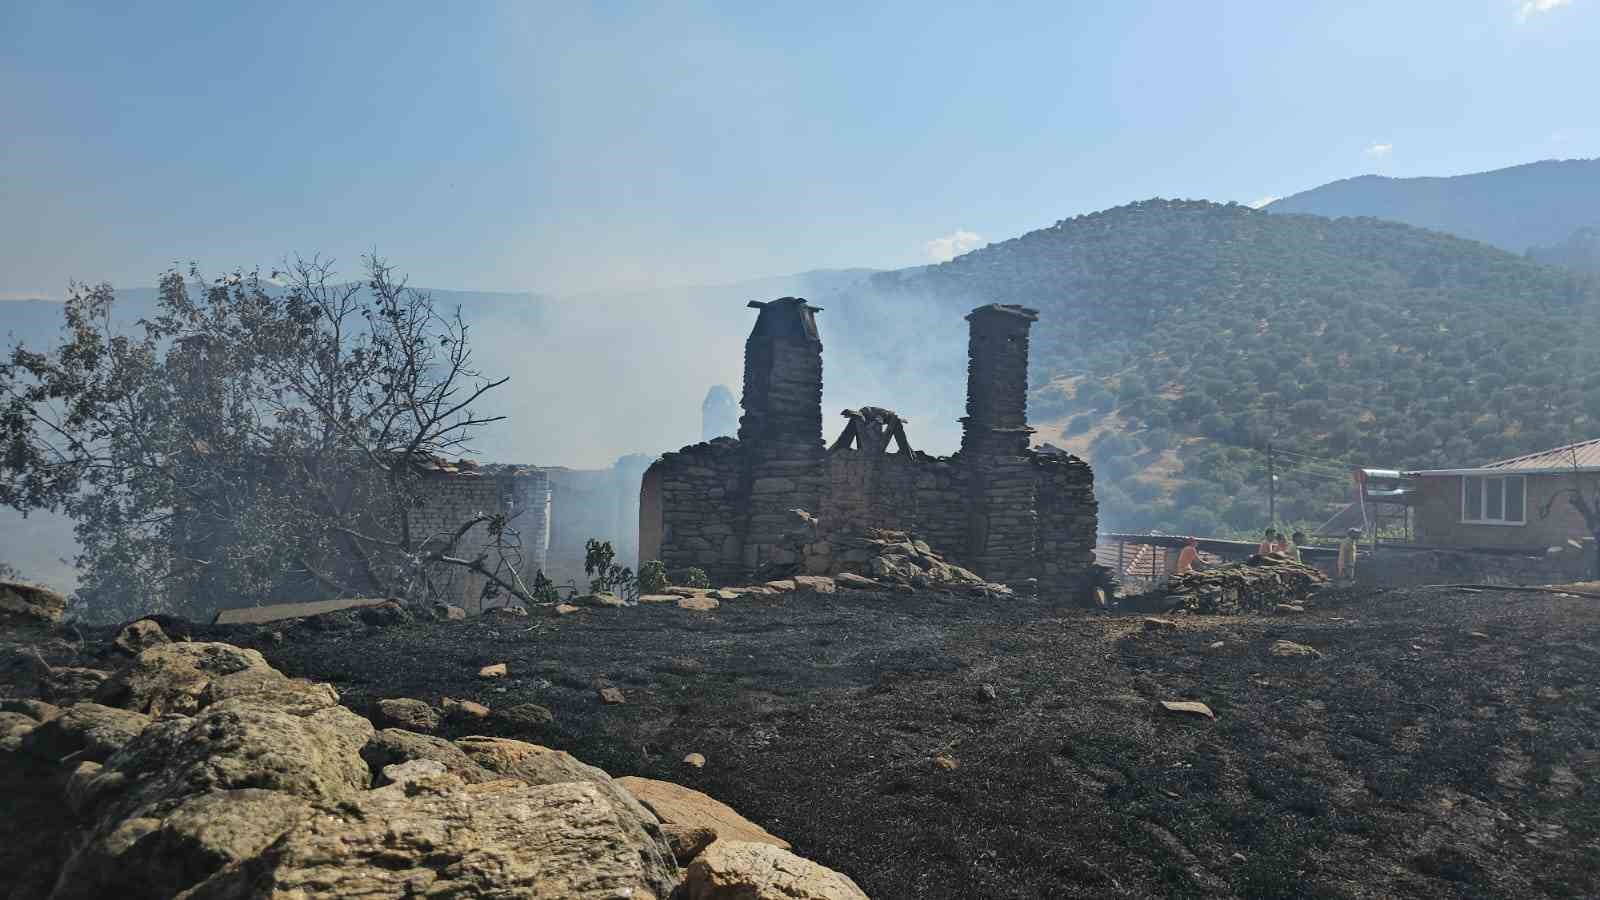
(696, 578)
(653, 577)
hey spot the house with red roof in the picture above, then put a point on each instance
(1522, 503)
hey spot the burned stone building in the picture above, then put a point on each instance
(1006, 511)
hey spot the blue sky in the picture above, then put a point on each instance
(572, 147)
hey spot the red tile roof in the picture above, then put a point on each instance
(1586, 454)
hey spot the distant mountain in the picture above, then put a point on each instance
(1176, 338)
(1540, 204)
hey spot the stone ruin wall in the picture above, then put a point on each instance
(998, 507)
(447, 499)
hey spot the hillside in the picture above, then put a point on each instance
(1210, 329)
(1540, 204)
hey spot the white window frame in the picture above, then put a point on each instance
(1483, 500)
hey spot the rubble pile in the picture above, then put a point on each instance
(199, 771)
(878, 557)
(1259, 584)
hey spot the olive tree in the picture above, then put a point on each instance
(253, 439)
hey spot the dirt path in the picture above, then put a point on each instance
(1441, 744)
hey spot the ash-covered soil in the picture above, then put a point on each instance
(1444, 744)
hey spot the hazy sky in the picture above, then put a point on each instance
(570, 146)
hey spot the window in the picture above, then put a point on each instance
(1494, 499)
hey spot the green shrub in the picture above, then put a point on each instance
(696, 578)
(653, 577)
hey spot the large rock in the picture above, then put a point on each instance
(533, 764)
(137, 637)
(740, 870)
(162, 851)
(404, 712)
(64, 685)
(94, 730)
(245, 742)
(437, 837)
(675, 804)
(174, 677)
(30, 604)
(393, 746)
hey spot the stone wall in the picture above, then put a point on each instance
(1068, 521)
(1010, 513)
(700, 487)
(447, 499)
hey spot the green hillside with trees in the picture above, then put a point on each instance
(1195, 333)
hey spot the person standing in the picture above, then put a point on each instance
(1347, 556)
(1187, 557)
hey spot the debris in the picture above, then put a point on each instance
(1152, 623)
(947, 763)
(565, 609)
(698, 604)
(1478, 634)
(814, 584)
(498, 670)
(1188, 708)
(1283, 608)
(663, 598)
(695, 759)
(612, 695)
(384, 614)
(1287, 649)
(444, 612)
(1259, 583)
(987, 693)
(852, 581)
(602, 600)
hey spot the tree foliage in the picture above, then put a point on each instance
(256, 439)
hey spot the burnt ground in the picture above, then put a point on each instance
(1415, 758)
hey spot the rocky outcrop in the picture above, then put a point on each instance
(29, 604)
(739, 870)
(677, 805)
(1258, 584)
(438, 837)
(205, 773)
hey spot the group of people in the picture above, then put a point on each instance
(1274, 542)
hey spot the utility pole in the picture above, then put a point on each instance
(1272, 489)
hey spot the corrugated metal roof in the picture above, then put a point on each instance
(1584, 454)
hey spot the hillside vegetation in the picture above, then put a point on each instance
(1539, 204)
(1205, 331)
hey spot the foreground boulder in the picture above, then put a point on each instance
(437, 837)
(29, 604)
(739, 870)
(677, 805)
(223, 778)
(173, 678)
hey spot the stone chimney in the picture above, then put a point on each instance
(997, 381)
(781, 429)
(1003, 522)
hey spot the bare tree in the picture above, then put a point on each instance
(1587, 505)
(254, 439)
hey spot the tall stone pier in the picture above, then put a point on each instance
(1002, 523)
(781, 429)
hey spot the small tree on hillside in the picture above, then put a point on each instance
(249, 441)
